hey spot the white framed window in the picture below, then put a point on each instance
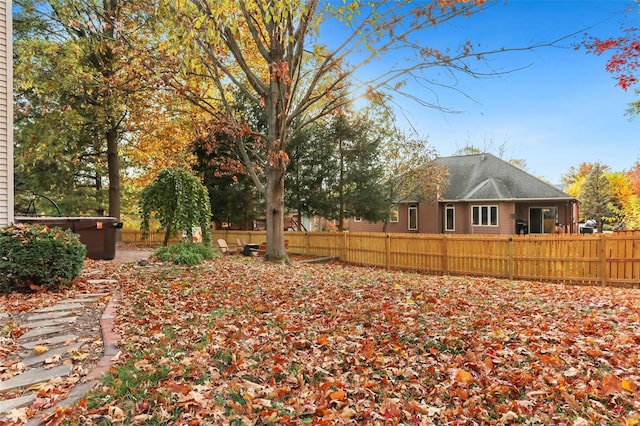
(413, 217)
(393, 216)
(449, 217)
(484, 215)
(357, 219)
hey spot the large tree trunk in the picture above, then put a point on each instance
(274, 194)
(276, 145)
(341, 189)
(113, 164)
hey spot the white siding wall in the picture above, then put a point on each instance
(6, 115)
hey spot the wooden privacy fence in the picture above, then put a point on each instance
(154, 238)
(605, 259)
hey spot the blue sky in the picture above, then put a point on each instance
(561, 110)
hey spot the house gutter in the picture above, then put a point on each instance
(497, 200)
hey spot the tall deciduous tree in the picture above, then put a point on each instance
(159, 135)
(95, 76)
(411, 173)
(55, 150)
(272, 52)
(595, 196)
(634, 176)
(624, 202)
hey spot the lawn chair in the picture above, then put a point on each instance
(225, 249)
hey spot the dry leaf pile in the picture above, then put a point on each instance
(16, 309)
(238, 341)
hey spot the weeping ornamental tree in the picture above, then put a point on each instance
(179, 202)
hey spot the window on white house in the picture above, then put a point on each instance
(484, 215)
(393, 217)
(413, 217)
(450, 218)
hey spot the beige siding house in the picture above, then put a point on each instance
(6, 115)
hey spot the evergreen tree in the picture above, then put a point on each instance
(311, 173)
(595, 196)
(232, 191)
(234, 199)
(360, 188)
(343, 179)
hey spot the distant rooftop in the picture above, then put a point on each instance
(485, 177)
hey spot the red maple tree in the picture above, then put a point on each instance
(624, 62)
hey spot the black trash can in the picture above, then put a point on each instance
(248, 248)
(97, 233)
(522, 227)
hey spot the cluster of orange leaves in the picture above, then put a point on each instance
(241, 341)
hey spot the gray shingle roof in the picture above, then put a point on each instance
(486, 177)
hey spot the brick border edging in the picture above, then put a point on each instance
(110, 339)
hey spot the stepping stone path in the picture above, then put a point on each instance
(51, 330)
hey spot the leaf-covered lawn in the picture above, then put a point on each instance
(242, 342)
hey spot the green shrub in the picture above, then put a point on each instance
(39, 255)
(187, 258)
(184, 253)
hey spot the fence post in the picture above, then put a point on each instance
(387, 251)
(445, 261)
(510, 260)
(345, 241)
(603, 259)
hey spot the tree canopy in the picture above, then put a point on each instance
(70, 66)
(88, 105)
